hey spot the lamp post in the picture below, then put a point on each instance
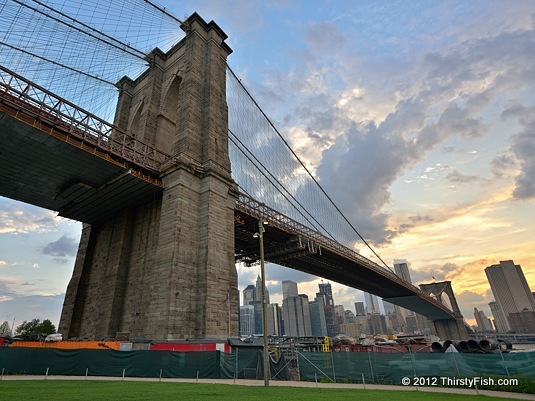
(260, 236)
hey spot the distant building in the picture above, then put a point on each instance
(500, 323)
(390, 309)
(372, 304)
(349, 317)
(377, 324)
(339, 311)
(249, 295)
(258, 290)
(318, 323)
(483, 322)
(401, 267)
(289, 289)
(411, 324)
(354, 329)
(325, 292)
(522, 322)
(510, 289)
(247, 322)
(274, 320)
(257, 305)
(296, 316)
(360, 310)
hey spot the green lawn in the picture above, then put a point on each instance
(68, 390)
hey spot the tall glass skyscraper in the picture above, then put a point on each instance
(510, 289)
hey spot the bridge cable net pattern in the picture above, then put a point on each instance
(80, 49)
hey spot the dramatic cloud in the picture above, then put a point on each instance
(65, 246)
(448, 102)
(20, 218)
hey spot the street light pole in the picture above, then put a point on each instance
(267, 371)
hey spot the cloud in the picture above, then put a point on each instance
(20, 218)
(324, 36)
(457, 177)
(523, 148)
(455, 88)
(62, 248)
(468, 300)
(19, 308)
(503, 163)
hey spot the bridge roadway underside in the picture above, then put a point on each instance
(284, 248)
(46, 167)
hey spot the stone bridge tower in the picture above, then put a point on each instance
(446, 329)
(165, 270)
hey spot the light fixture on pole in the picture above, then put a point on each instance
(260, 236)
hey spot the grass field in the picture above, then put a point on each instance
(63, 390)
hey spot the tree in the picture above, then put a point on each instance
(5, 331)
(35, 328)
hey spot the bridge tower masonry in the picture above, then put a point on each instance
(165, 270)
(446, 329)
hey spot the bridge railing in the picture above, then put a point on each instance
(81, 124)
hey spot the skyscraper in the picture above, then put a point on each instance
(372, 304)
(274, 320)
(296, 316)
(247, 323)
(317, 317)
(325, 292)
(500, 324)
(401, 267)
(259, 290)
(249, 295)
(483, 322)
(289, 289)
(510, 289)
(359, 309)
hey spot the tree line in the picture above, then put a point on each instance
(34, 329)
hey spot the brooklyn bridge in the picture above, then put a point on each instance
(172, 191)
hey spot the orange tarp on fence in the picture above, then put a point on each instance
(68, 344)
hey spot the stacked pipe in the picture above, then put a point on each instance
(471, 346)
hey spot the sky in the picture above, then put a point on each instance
(418, 118)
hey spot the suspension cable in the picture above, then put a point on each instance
(306, 169)
(163, 10)
(57, 63)
(122, 46)
(257, 162)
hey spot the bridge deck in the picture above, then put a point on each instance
(288, 243)
(43, 165)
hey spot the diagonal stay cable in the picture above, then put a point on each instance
(56, 63)
(241, 148)
(163, 10)
(306, 169)
(114, 42)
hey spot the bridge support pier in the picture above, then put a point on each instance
(449, 329)
(166, 270)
